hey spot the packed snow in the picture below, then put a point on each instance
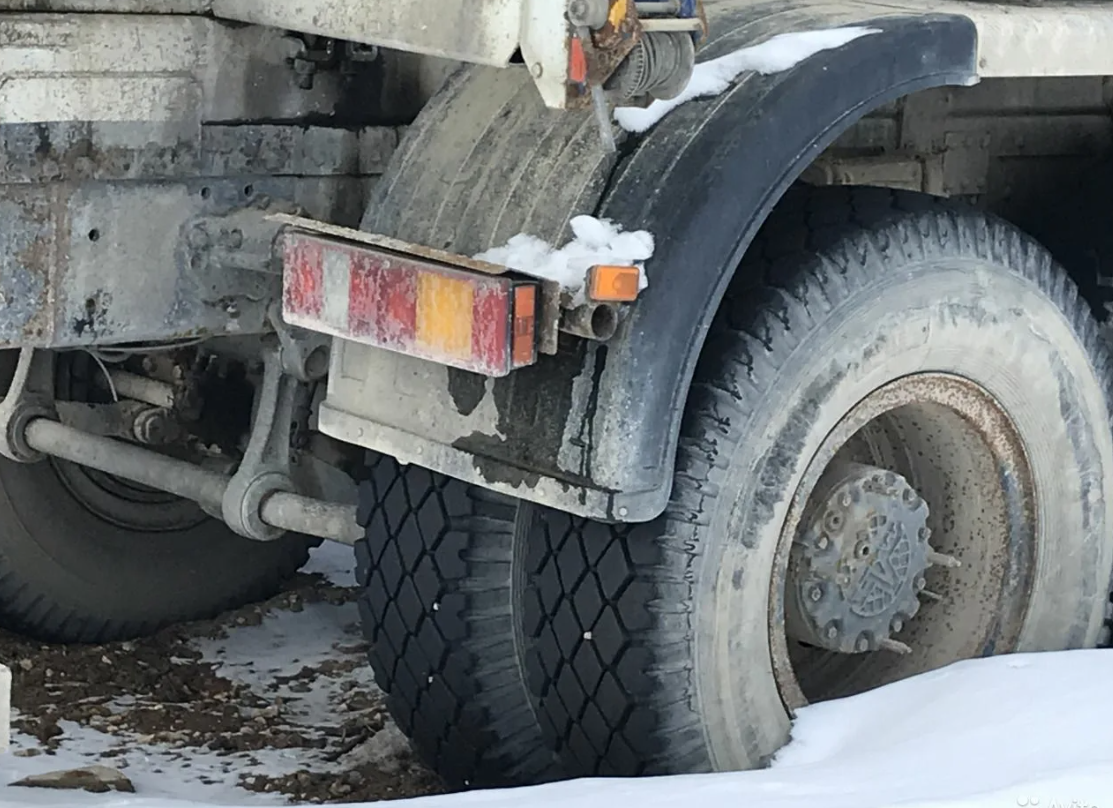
(715, 76)
(595, 242)
(1020, 731)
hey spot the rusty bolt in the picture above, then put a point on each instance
(154, 426)
(199, 238)
(588, 13)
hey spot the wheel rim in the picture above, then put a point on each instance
(127, 505)
(937, 437)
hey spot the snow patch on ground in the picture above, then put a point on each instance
(198, 777)
(308, 667)
(1021, 731)
(1006, 732)
(595, 242)
(713, 77)
(335, 561)
(1024, 731)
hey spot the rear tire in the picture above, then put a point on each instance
(442, 586)
(80, 563)
(662, 648)
(88, 557)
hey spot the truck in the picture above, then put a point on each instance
(670, 365)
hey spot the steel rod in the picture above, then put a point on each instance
(313, 517)
(141, 388)
(130, 462)
(292, 512)
(657, 7)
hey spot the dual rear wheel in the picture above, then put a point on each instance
(896, 454)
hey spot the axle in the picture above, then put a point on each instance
(281, 510)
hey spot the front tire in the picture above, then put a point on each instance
(864, 327)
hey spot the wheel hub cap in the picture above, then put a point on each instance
(858, 563)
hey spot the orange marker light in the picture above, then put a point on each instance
(614, 284)
(524, 338)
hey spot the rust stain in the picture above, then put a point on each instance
(604, 51)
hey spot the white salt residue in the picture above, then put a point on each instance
(597, 241)
(712, 78)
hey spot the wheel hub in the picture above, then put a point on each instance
(858, 563)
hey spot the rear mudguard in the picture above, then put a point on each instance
(594, 430)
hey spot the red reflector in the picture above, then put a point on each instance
(484, 323)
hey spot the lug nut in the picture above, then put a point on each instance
(816, 593)
(832, 632)
(822, 542)
(925, 533)
(896, 625)
(920, 583)
(863, 644)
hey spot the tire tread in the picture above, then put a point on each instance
(818, 248)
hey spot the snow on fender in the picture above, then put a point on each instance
(5, 708)
(595, 242)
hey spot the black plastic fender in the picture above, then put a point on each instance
(703, 181)
(593, 430)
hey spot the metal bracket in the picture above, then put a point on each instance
(305, 354)
(130, 420)
(265, 469)
(30, 396)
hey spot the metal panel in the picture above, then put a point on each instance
(109, 6)
(480, 31)
(1049, 39)
(170, 69)
(1020, 38)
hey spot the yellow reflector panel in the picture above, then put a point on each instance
(444, 315)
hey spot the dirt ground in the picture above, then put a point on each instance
(175, 693)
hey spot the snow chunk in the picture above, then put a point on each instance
(597, 241)
(713, 77)
(335, 561)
